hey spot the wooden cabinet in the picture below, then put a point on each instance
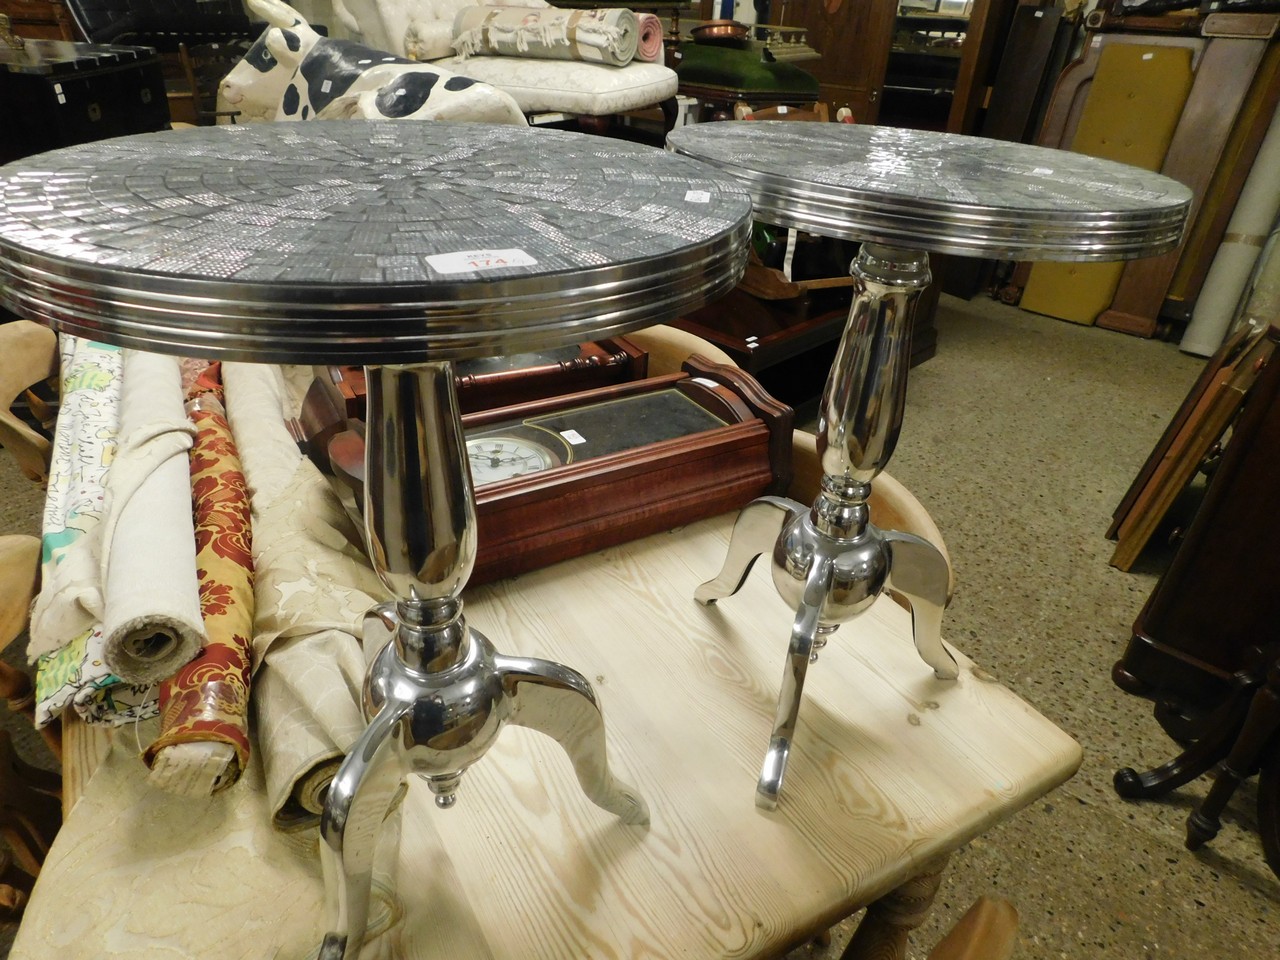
(1211, 617)
(860, 67)
(40, 19)
(853, 37)
(922, 69)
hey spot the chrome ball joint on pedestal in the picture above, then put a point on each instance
(829, 561)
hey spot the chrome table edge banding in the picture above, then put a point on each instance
(404, 247)
(903, 194)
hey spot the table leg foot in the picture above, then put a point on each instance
(559, 702)
(362, 792)
(803, 633)
(754, 532)
(918, 571)
(1218, 733)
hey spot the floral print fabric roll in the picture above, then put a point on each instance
(208, 699)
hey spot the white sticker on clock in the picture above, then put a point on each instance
(467, 261)
(704, 381)
(573, 436)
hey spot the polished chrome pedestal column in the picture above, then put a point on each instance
(829, 561)
(438, 693)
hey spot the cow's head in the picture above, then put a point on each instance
(256, 85)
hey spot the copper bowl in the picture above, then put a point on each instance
(719, 31)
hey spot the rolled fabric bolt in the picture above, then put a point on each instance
(203, 745)
(151, 621)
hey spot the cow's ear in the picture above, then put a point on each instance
(290, 46)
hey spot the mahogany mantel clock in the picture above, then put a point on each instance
(563, 476)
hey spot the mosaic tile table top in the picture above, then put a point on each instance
(362, 241)
(943, 192)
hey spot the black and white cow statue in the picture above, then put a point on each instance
(293, 73)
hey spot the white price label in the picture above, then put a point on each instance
(697, 196)
(468, 261)
(573, 436)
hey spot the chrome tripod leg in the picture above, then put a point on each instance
(360, 796)
(918, 572)
(559, 702)
(803, 632)
(754, 532)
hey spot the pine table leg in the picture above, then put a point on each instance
(883, 932)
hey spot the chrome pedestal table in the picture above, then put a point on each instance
(404, 247)
(903, 193)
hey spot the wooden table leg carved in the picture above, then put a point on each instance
(884, 930)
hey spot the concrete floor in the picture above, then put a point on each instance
(1021, 436)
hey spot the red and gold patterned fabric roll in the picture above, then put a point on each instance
(208, 699)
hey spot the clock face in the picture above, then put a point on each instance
(495, 458)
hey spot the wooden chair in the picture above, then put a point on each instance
(203, 67)
(29, 797)
(28, 355)
(988, 931)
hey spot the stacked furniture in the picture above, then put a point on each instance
(1186, 94)
(1204, 646)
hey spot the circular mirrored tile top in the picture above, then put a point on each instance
(943, 192)
(364, 242)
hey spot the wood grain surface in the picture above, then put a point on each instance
(891, 768)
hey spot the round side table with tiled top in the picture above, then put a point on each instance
(902, 193)
(403, 247)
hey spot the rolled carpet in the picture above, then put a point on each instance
(649, 46)
(595, 36)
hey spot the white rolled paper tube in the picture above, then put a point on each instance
(151, 621)
(1219, 298)
(1251, 221)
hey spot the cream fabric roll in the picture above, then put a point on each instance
(1261, 299)
(595, 36)
(151, 622)
(312, 587)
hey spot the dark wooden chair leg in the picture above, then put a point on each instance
(1269, 807)
(670, 113)
(1259, 728)
(1220, 732)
